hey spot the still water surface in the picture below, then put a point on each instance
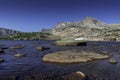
(32, 64)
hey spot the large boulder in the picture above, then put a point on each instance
(73, 56)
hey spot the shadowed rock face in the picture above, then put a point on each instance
(4, 32)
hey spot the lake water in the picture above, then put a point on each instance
(31, 67)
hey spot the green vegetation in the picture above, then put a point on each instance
(96, 30)
(115, 30)
(26, 36)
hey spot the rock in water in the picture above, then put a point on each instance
(73, 56)
(41, 48)
(1, 51)
(112, 61)
(19, 55)
(17, 47)
(71, 43)
(75, 76)
(1, 60)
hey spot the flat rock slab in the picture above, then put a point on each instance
(71, 43)
(73, 56)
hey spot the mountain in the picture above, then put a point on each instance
(89, 28)
(6, 32)
(87, 22)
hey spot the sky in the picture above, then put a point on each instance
(34, 15)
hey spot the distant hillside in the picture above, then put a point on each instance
(6, 32)
(89, 28)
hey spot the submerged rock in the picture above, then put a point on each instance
(73, 56)
(41, 48)
(75, 76)
(1, 60)
(19, 55)
(1, 51)
(17, 47)
(112, 61)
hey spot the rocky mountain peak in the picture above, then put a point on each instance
(89, 18)
(91, 22)
(87, 22)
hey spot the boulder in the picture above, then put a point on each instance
(73, 56)
(113, 39)
(41, 48)
(112, 61)
(19, 55)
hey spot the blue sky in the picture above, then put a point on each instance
(34, 15)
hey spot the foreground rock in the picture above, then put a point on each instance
(19, 55)
(1, 60)
(71, 43)
(75, 76)
(112, 61)
(73, 56)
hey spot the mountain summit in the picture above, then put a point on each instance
(91, 22)
(89, 28)
(87, 22)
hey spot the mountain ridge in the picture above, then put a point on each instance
(89, 27)
(6, 32)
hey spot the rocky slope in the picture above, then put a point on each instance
(6, 32)
(89, 28)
